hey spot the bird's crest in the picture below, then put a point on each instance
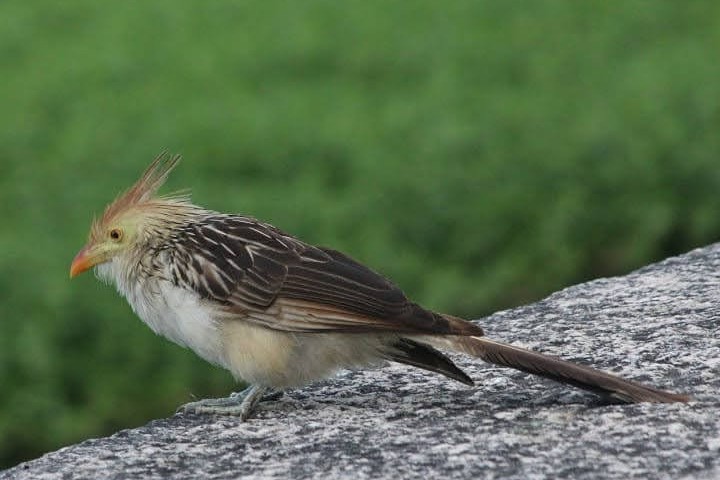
(144, 192)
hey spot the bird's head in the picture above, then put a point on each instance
(131, 218)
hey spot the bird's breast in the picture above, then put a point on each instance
(181, 316)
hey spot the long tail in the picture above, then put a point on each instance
(561, 370)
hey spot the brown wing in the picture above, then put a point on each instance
(279, 282)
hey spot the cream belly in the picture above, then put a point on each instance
(278, 359)
(254, 354)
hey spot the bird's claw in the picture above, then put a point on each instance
(241, 404)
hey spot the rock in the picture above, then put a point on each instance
(659, 325)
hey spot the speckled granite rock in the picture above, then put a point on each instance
(660, 324)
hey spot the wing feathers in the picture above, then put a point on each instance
(247, 267)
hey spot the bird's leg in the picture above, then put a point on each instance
(240, 404)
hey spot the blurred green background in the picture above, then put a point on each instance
(481, 154)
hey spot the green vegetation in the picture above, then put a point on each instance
(481, 154)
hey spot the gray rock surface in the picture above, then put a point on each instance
(660, 324)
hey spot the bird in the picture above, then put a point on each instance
(280, 313)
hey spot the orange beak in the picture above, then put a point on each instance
(84, 260)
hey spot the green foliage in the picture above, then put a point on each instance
(481, 154)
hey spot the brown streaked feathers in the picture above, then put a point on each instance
(250, 267)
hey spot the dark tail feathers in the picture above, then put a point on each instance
(562, 371)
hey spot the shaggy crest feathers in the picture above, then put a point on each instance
(143, 194)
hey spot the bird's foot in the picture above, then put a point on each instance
(241, 404)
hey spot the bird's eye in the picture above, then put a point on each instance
(116, 234)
